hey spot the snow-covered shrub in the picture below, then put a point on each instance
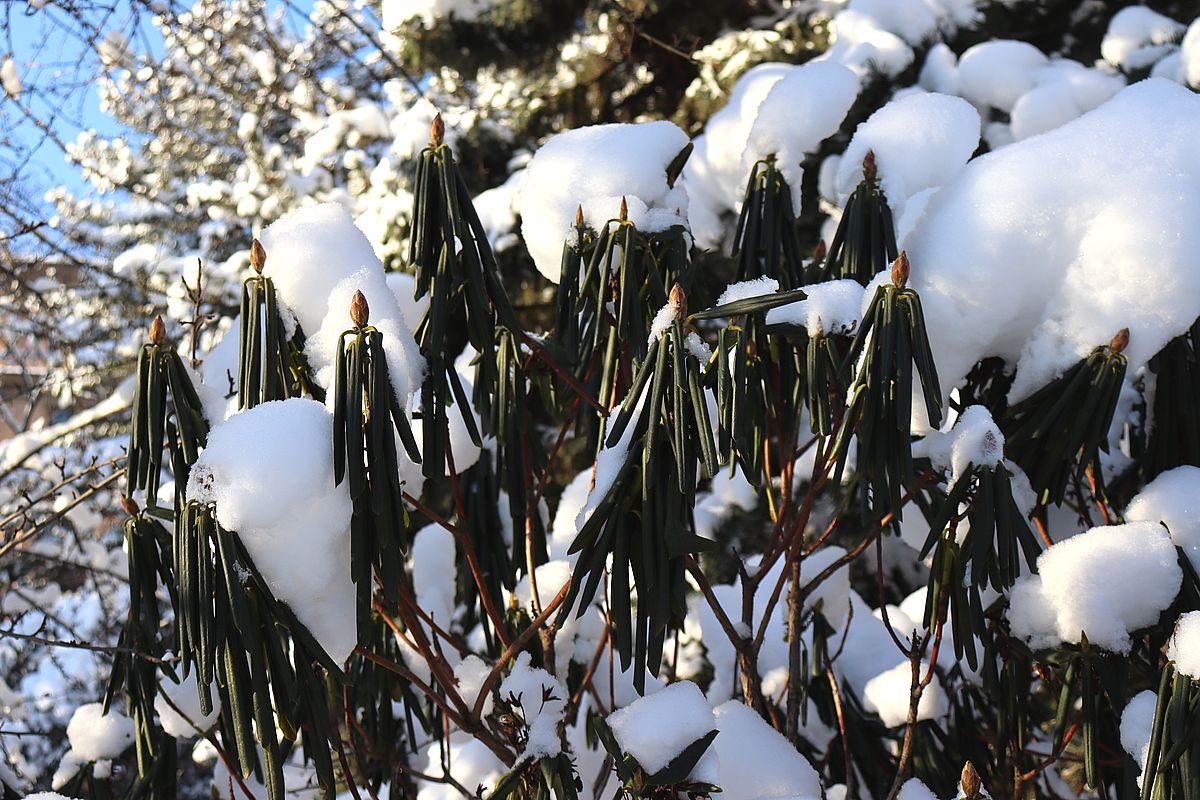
(846, 449)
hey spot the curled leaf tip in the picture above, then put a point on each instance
(579, 216)
(360, 312)
(258, 256)
(870, 170)
(971, 784)
(1120, 341)
(158, 330)
(900, 270)
(678, 301)
(130, 506)
(437, 130)
(624, 212)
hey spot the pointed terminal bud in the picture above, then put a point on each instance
(258, 256)
(130, 507)
(360, 312)
(437, 130)
(678, 301)
(579, 216)
(870, 171)
(819, 252)
(900, 270)
(971, 784)
(1120, 341)
(158, 330)
(624, 212)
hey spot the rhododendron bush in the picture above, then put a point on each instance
(835, 441)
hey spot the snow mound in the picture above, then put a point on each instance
(1184, 646)
(1137, 37)
(829, 307)
(543, 702)
(95, 736)
(269, 471)
(908, 163)
(318, 258)
(803, 109)
(660, 726)
(757, 761)
(995, 74)
(974, 439)
(1104, 584)
(714, 173)
(1173, 498)
(1038, 252)
(594, 167)
(1137, 722)
(187, 721)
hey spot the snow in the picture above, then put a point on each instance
(188, 721)
(664, 319)
(829, 307)
(10, 79)
(832, 596)
(594, 167)
(745, 290)
(865, 47)
(470, 673)
(1064, 90)
(318, 258)
(714, 174)
(471, 764)
(1105, 583)
(269, 471)
(888, 695)
(395, 13)
(973, 440)
(914, 21)
(1189, 55)
(434, 572)
(1032, 252)
(757, 761)
(1184, 646)
(404, 287)
(1137, 37)
(1137, 723)
(995, 74)
(949, 133)
(95, 736)
(730, 491)
(660, 726)
(913, 789)
(940, 71)
(800, 111)
(543, 702)
(1173, 498)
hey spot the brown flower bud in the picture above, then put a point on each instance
(258, 256)
(360, 312)
(819, 252)
(130, 507)
(1120, 341)
(579, 216)
(437, 130)
(971, 784)
(900, 270)
(678, 301)
(870, 171)
(623, 214)
(158, 330)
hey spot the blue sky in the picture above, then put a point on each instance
(45, 61)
